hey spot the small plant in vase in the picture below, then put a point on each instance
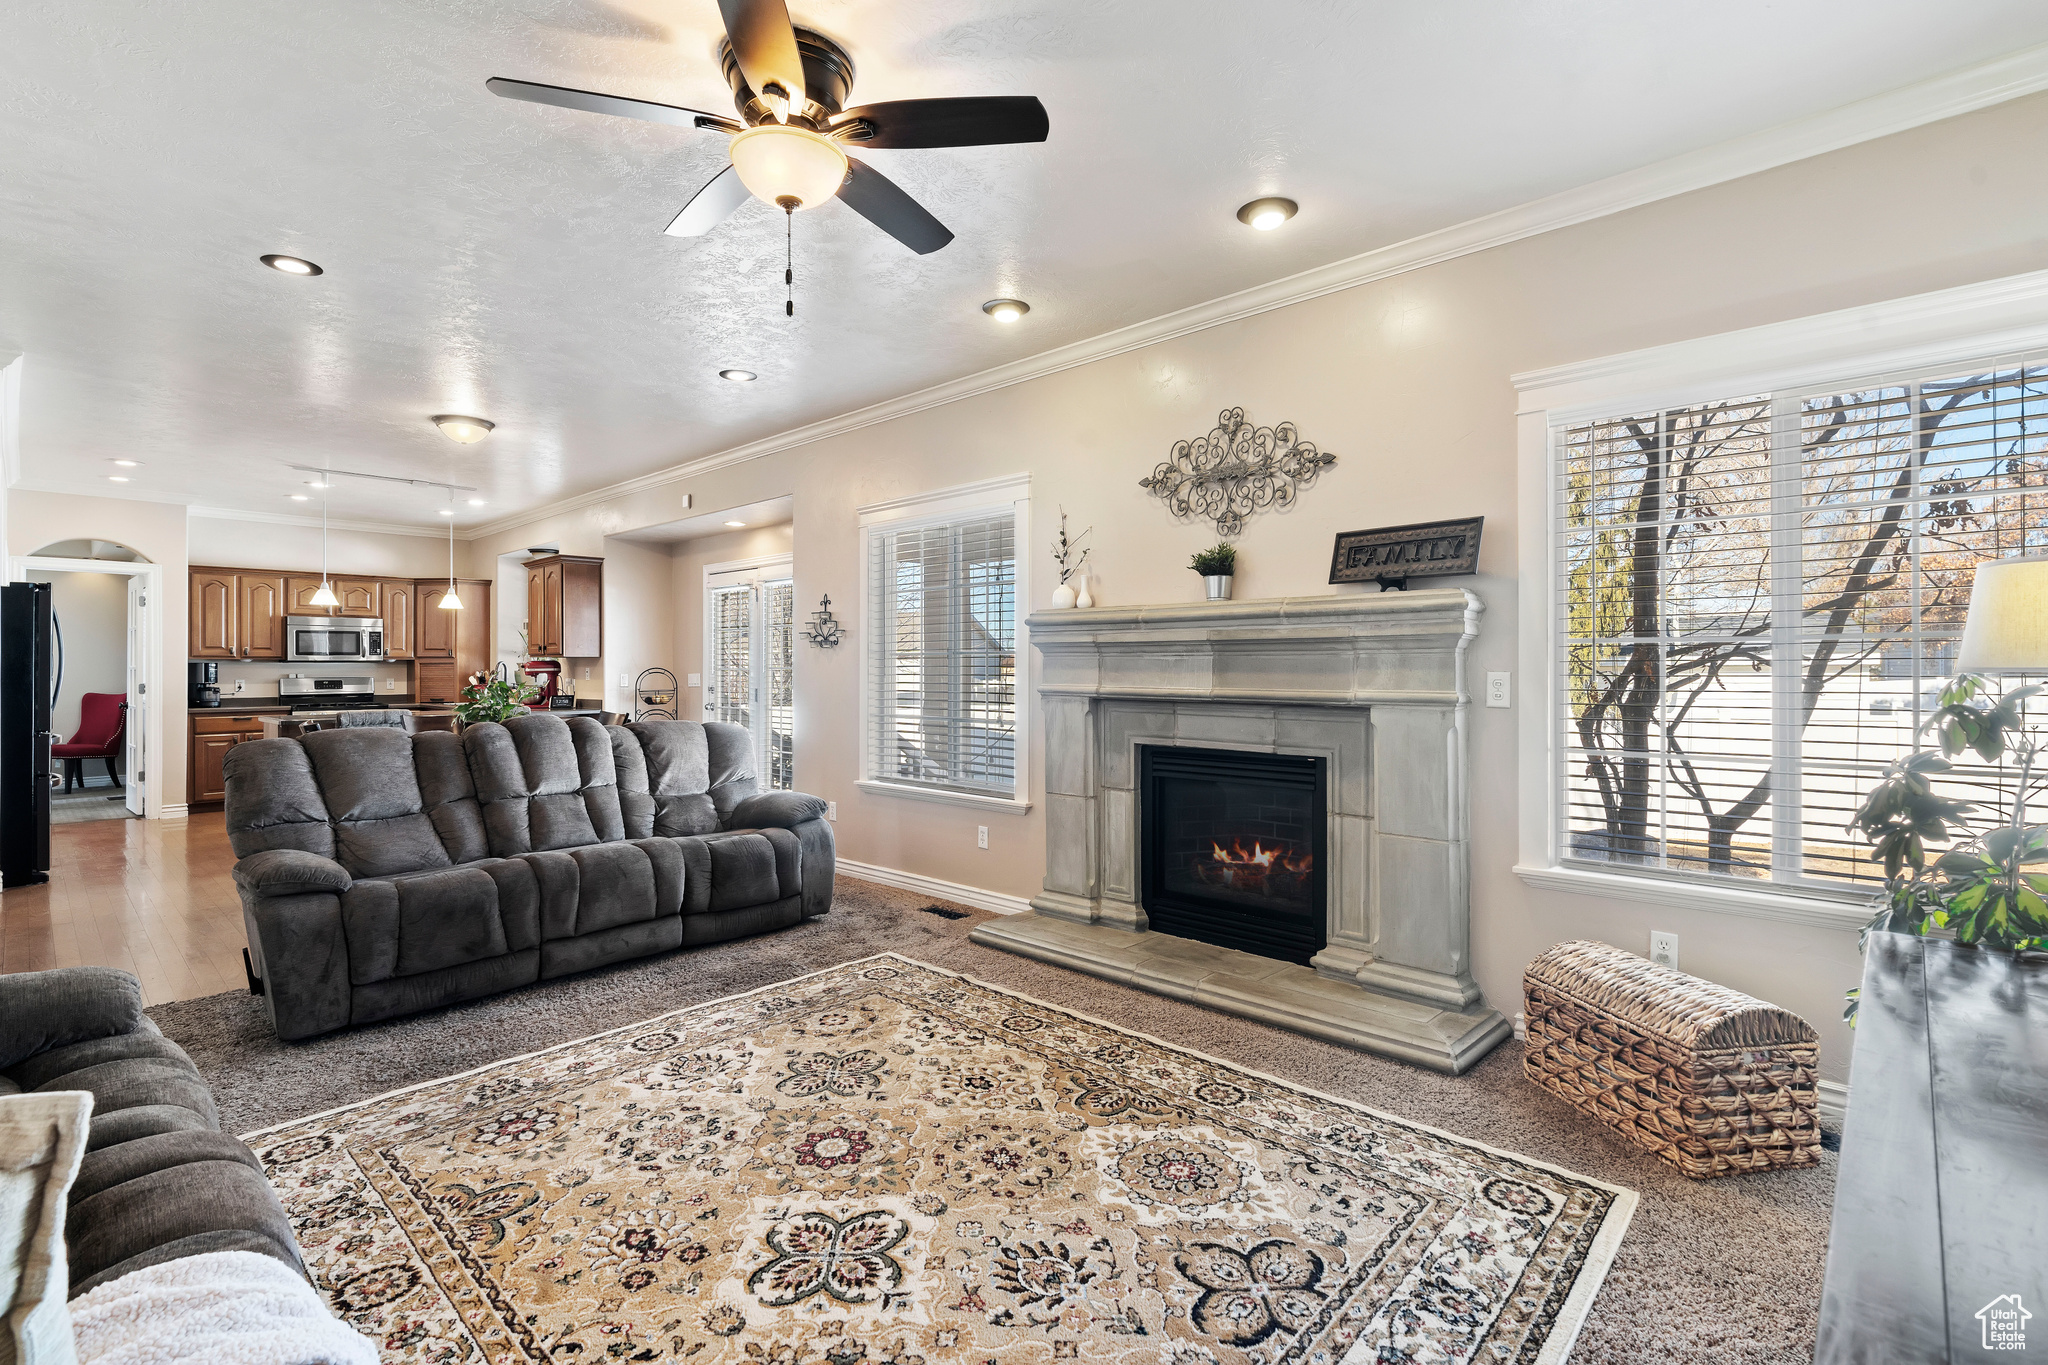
(1218, 566)
(489, 697)
(1064, 554)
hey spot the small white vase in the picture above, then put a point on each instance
(1063, 596)
(1087, 598)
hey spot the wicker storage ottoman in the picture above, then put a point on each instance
(1712, 1081)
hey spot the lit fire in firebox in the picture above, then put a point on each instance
(1259, 870)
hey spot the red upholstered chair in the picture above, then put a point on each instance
(102, 731)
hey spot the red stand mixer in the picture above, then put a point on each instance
(546, 674)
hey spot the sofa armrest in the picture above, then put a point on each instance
(778, 810)
(42, 1010)
(290, 872)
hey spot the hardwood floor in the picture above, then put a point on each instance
(154, 897)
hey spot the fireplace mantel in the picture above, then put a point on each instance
(1374, 684)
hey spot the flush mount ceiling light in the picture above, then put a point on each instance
(1006, 310)
(1267, 214)
(738, 376)
(463, 430)
(291, 265)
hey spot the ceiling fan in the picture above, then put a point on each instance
(789, 142)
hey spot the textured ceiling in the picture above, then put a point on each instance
(506, 259)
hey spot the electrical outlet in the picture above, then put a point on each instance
(1497, 689)
(981, 836)
(1664, 949)
(391, 684)
(831, 810)
(241, 686)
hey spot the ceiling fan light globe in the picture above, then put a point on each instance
(777, 161)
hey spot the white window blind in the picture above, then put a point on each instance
(1758, 599)
(942, 647)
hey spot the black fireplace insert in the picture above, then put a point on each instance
(1232, 848)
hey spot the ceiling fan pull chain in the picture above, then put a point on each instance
(789, 206)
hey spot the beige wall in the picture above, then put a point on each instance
(692, 557)
(92, 609)
(156, 531)
(224, 544)
(1406, 381)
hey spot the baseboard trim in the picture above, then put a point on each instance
(993, 901)
(1834, 1103)
(177, 812)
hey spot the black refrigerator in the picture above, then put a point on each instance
(24, 734)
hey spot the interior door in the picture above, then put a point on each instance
(135, 756)
(749, 662)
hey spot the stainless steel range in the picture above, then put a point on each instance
(305, 694)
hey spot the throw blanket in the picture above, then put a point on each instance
(224, 1308)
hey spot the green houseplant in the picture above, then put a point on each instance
(1989, 887)
(1216, 565)
(491, 697)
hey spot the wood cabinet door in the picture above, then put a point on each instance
(551, 607)
(209, 752)
(399, 597)
(433, 628)
(581, 613)
(436, 682)
(359, 597)
(211, 608)
(472, 628)
(298, 596)
(259, 614)
(533, 639)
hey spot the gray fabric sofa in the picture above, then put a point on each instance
(159, 1180)
(383, 873)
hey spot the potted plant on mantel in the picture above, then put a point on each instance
(1990, 888)
(1217, 565)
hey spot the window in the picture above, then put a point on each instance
(941, 644)
(1756, 601)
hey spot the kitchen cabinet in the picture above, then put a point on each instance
(565, 606)
(210, 605)
(299, 592)
(448, 646)
(434, 631)
(399, 595)
(259, 615)
(435, 683)
(212, 738)
(359, 597)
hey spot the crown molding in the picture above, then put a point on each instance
(382, 528)
(1946, 96)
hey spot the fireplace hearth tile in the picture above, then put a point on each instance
(1272, 992)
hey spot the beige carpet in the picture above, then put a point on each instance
(1722, 1271)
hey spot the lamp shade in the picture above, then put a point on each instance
(777, 162)
(2007, 628)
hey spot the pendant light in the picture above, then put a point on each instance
(451, 602)
(325, 596)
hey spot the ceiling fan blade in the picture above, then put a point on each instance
(765, 45)
(977, 121)
(591, 102)
(710, 206)
(881, 201)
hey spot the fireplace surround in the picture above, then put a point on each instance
(1371, 687)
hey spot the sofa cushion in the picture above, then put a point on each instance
(752, 867)
(198, 1244)
(784, 810)
(372, 791)
(449, 795)
(42, 1010)
(290, 872)
(144, 1120)
(137, 1215)
(584, 890)
(544, 782)
(629, 764)
(110, 1166)
(134, 1081)
(421, 923)
(273, 799)
(696, 774)
(45, 1067)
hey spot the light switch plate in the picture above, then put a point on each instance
(696, 680)
(625, 680)
(1664, 949)
(981, 836)
(1497, 689)
(831, 810)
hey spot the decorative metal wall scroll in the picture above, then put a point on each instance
(1391, 555)
(1236, 470)
(824, 631)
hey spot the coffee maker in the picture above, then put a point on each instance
(204, 677)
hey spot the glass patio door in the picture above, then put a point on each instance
(750, 658)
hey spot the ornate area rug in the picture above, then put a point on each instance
(887, 1164)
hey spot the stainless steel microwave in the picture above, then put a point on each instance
(333, 639)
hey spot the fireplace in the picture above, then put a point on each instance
(1233, 848)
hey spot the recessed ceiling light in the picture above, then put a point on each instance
(447, 511)
(1267, 214)
(128, 464)
(318, 483)
(738, 376)
(464, 430)
(299, 497)
(1006, 310)
(735, 523)
(476, 502)
(291, 265)
(117, 478)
